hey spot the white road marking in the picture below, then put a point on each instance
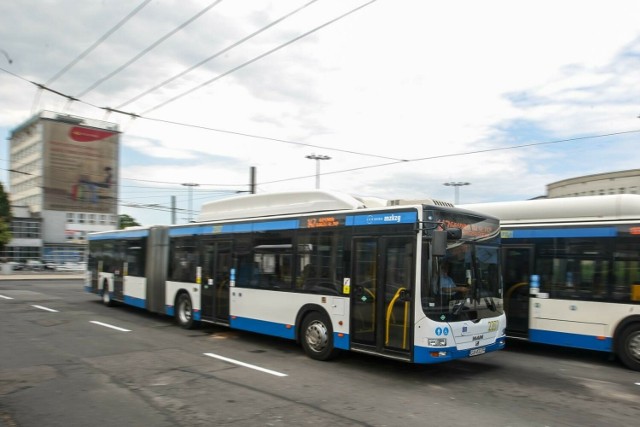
(110, 326)
(5, 297)
(246, 365)
(45, 308)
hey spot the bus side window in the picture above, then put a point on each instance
(273, 262)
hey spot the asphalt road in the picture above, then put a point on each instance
(67, 360)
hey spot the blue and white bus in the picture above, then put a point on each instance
(328, 270)
(571, 271)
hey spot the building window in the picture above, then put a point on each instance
(70, 217)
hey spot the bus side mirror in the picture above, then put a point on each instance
(440, 238)
(439, 243)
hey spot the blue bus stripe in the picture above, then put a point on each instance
(234, 228)
(541, 233)
(341, 342)
(564, 339)
(263, 327)
(423, 354)
(120, 234)
(136, 302)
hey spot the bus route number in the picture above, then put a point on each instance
(493, 326)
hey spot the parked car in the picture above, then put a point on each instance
(34, 265)
(72, 266)
(50, 266)
(15, 265)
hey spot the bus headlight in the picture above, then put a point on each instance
(437, 342)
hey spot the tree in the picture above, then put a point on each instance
(125, 221)
(5, 218)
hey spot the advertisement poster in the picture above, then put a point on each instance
(80, 168)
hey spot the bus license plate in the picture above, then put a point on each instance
(477, 351)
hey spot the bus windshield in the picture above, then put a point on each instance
(463, 285)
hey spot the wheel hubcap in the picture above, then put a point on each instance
(634, 346)
(185, 312)
(317, 336)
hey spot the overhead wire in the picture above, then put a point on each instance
(134, 116)
(148, 49)
(97, 42)
(248, 135)
(257, 58)
(466, 153)
(215, 55)
(393, 162)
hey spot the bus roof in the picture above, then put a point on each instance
(283, 203)
(296, 202)
(563, 209)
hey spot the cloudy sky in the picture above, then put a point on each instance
(402, 95)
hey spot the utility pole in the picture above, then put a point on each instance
(252, 180)
(173, 210)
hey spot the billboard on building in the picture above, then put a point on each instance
(79, 167)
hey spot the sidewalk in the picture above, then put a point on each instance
(43, 275)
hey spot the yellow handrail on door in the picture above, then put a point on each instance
(406, 318)
(510, 291)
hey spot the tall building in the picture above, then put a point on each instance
(63, 171)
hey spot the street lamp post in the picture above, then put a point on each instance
(456, 186)
(190, 186)
(317, 158)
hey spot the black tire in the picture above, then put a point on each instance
(106, 296)
(629, 347)
(317, 337)
(184, 311)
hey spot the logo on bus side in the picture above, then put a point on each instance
(374, 219)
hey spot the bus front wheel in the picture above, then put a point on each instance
(629, 347)
(184, 311)
(317, 337)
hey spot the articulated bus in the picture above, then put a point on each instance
(320, 268)
(571, 271)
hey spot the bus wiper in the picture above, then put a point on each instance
(457, 307)
(490, 303)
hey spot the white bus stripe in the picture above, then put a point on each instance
(45, 308)
(110, 326)
(246, 365)
(5, 297)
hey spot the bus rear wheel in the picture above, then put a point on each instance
(184, 311)
(317, 337)
(629, 347)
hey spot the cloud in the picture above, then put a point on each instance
(402, 80)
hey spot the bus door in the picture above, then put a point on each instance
(517, 265)
(382, 284)
(216, 268)
(119, 269)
